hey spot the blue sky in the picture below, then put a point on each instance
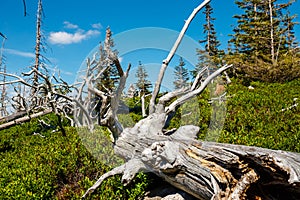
(72, 29)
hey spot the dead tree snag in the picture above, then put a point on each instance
(206, 170)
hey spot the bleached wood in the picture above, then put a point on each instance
(207, 170)
(198, 78)
(24, 119)
(197, 91)
(172, 52)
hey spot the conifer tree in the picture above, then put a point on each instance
(181, 75)
(288, 30)
(143, 84)
(263, 36)
(211, 42)
(109, 77)
(210, 56)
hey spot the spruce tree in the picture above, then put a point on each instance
(143, 84)
(263, 36)
(210, 56)
(109, 78)
(181, 75)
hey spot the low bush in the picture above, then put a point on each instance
(255, 116)
(51, 166)
(55, 167)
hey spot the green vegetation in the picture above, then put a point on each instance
(254, 117)
(55, 167)
(58, 167)
(263, 46)
(181, 75)
(63, 165)
(143, 84)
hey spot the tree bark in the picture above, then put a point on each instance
(272, 32)
(206, 170)
(171, 54)
(18, 119)
(38, 42)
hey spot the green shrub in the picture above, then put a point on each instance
(55, 167)
(254, 117)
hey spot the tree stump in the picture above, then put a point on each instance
(205, 170)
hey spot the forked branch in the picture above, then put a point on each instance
(197, 91)
(166, 62)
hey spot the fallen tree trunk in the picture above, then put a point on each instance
(206, 170)
(13, 116)
(24, 119)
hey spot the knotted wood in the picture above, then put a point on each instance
(206, 170)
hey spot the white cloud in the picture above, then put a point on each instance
(76, 36)
(70, 25)
(97, 26)
(63, 37)
(20, 53)
(92, 32)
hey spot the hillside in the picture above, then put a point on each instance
(49, 166)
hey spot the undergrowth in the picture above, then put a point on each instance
(51, 166)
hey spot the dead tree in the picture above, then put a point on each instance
(206, 170)
(50, 95)
(38, 41)
(45, 93)
(96, 104)
(3, 98)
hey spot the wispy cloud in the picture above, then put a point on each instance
(69, 25)
(20, 53)
(67, 37)
(97, 26)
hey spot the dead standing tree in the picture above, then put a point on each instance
(205, 170)
(38, 41)
(96, 104)
(3, 98)
(50, 96)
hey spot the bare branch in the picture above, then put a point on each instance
(24, 5)
(193, 93)
(198, 78)
(18, 80)
(2, 35)
(115, 171)
(292, 106)
(129, 170)
(170, 95)
(227, 77)
(171, 54)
